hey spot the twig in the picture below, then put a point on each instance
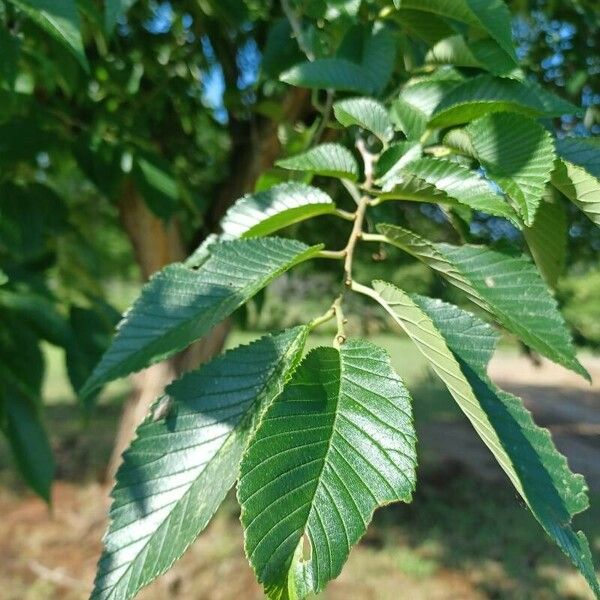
(55, 576)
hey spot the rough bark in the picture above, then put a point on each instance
(156, 243)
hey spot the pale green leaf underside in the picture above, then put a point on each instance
(579, 186)
(180, 466)
(553, 493)
(438, 180)
(485, 94)
(179, 304)
(502, 282)
(518, 154)
(331, 160)
(547, 240)
(60, 20)
(330, 73)
(366, 113)
(492, 16)
(339, 442)
(265, 212)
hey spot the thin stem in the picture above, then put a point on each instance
(355, 235)
(332, 254)
(327, 316)
(340, 336)
(366, 291)
(374, 237)
(344, 214)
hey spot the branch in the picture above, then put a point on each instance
(297, 29)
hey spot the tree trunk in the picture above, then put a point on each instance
(156, 244)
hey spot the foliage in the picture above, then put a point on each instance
(414, 104)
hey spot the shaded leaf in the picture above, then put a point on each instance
(518, 154)
(60, 20)
(547, 240)
(340, 441)
(330, 73)
(579, 186)
(181, 465)
(179, 304)
(491, 16)
(26, 435)
(157, 185)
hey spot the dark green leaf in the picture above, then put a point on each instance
(179, 304)
(503, 282)
(26, 436)
(156, 184)
(185, 458)
(485, 94)
(547, 239)
(330, 73)
(579, 186)
(540, 473)
(518, 154)
(60, 20)
(340, 442)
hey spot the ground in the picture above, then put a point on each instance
(465, 536)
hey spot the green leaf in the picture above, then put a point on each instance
(265, 212)
(10, 49)
(438, 180)
(182, 463)
(60, 20)
(366, 113)
(91, 333)
(415, 105)
(456, 51)
(430, 30)
(26, 435)
(388, 169)
(552, 492)
(491, 16)
(365, 70)
(579, 186)
(330, 73)
(156, 184)
(338, 443)
(583, 152)
(547, 240)
(179, 304)
(379, 57)
(331, 160)
(485, 94)
(39, 312)
(518, 154)
(459, 140)
(503, 282)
